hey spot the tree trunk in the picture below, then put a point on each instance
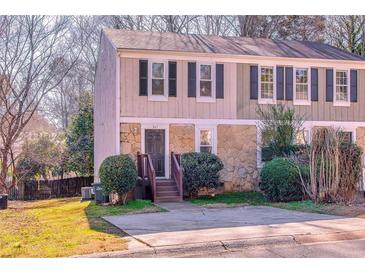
(4, 171)
(123, 198)
(3, 189)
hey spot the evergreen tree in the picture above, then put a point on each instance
(80, 138)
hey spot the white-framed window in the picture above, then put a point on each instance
(302, 94)
(206, 82)
(347, 136)
(267, 85)
(158, 80)
(341, 87)
(206, 139)
(302, 137)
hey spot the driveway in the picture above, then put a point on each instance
(187, 224)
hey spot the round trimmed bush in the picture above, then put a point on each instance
(118, 174)
(280, 181)
(200, 170)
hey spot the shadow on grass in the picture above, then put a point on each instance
(40, 204)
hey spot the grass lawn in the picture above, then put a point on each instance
(332, 209)
(256, 198)
(232, 199)
(62, 227)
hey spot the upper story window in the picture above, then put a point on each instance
(267, 84)
(158, 84)
(302, 86)
(206, 82)
(206, 139)
(342, 89)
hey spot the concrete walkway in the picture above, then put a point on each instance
(186, 224)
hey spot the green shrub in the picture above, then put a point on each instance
(118, 174)
(279, 126)
(200, 170)
(280, 180)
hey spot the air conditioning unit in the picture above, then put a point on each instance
(86, 193)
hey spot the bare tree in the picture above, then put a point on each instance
(347, 32)
(278, 27)
(173, 23)
(61, 103)
(212, 25)
(262, 26)
(85, 31)
(298, 27)
(31, 47)
(130, 22)
(160, 23)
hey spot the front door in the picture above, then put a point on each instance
(155, 147)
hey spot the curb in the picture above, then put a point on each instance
(330, 237)
(226, 246)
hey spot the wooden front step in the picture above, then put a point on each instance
(165, 182)
(166, 191)
(166, 188)
(168, 199)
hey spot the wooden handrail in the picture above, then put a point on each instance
(152, 176)
(146, 170)
(177, 173)
(140, 165)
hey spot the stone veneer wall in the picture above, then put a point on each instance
(130, 139)
(182, 138)
(237, 149)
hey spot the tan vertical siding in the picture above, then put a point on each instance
(105, 107)
(133, 105)
(317, 111)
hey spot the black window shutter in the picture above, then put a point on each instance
(143, 77)
(172, 79)
(289, 83)
(314, 84)
(254, 78)
(191, 79)
(329, 85)
(353, 86)
(280, 83)
(219, 71)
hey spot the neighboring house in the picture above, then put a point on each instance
(161, 92)
(36, 125)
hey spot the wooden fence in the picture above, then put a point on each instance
(38, 190)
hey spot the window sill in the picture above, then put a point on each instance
(341, 104)
(267, 101)
(158, 98)
(301, 103)
(205, 100)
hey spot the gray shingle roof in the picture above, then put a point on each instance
(167, 41)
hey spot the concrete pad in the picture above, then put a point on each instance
(194, 224)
